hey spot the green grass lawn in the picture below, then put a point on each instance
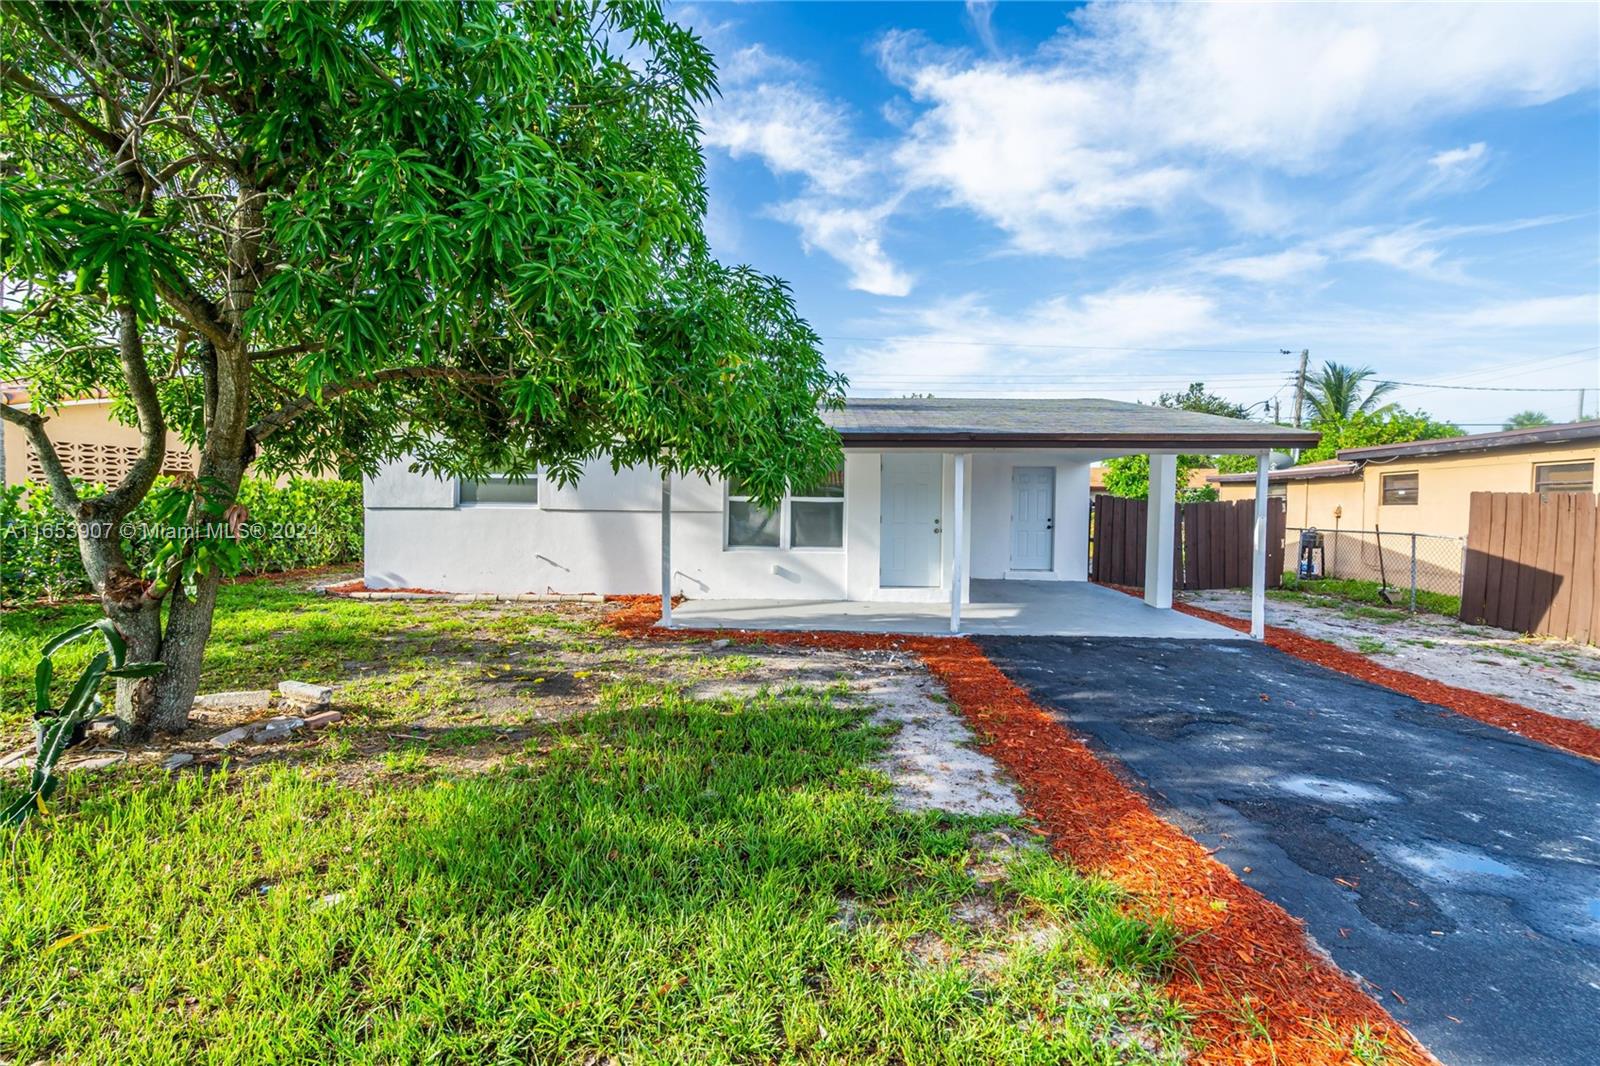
(650, 876)
(1341, 592)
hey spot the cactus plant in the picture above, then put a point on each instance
(59, 728)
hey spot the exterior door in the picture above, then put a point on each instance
(908, 549)
(1033, 517)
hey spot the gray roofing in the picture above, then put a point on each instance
(1481, 442)
(1050, 423)
(1326, 468)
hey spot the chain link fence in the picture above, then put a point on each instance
(1406, 562)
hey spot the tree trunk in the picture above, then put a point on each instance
(161, 704)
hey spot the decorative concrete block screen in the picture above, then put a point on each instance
(1533, 564)
(1213, 548)
(107, 464)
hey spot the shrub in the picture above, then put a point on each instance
(300, 523)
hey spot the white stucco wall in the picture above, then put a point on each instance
(600, 535)
(991, 519)
(603, 535)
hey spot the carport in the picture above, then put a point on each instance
(957, 515)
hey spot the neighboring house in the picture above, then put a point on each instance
(91, 444)
(1426, 486)
(933, 493)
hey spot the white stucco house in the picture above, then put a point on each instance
(936, 498)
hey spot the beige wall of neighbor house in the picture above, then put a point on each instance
(1440, 493)
(1198, 478)
(92, 445)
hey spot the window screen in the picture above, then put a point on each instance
(1399, 489)
(1563, 477)
(811, 518)
(497, 488)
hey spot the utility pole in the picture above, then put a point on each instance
(1300, 387)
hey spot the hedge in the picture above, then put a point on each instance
(301, 523)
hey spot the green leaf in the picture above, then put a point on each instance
(42, 675)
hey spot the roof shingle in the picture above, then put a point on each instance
(1057, 423)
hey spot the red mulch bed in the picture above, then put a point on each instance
(359, 585)
(1238, 948)
(1578, 738)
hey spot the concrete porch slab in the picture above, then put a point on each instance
(1009, 608)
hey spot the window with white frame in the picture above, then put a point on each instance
(1400, 490)
(500, 488)
(810, 518)
(1563, 477)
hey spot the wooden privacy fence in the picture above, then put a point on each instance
(1212, 550)
(1532, 563)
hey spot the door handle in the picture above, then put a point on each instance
(937, 528)
(1049, 523)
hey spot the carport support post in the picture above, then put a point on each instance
(958, 526)
(1258, 563)
(666, 547)
(1161, 521)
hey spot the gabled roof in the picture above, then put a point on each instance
(1480, 442)
(1321, 468)
(1050, 423)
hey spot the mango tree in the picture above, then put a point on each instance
(326, 236)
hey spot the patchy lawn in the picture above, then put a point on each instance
(1555, 676)
(1354, 593)
(531, 839)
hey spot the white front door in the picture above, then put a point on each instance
(1033, 517)
(908, 552)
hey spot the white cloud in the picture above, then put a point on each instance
(1454, 170)
(981, 15)
(791, 130)
(1456, 160)
(1417, 248)
(1280, 266)
(1534, 313)
(844, 209)
(1134, 107)
(1409, 249)
(964, 339)
(853, 236)
(754, 63)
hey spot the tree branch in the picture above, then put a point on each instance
(152, 423)
(279, 353)
(270, 424)
(12, 76)
(54, 473)
(196, 310)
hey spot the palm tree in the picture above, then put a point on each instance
(1527, 420)
(1334, 393)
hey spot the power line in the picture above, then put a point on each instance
(1266, 377)
(1483, 388)
(1000, 343)
(1549, 362)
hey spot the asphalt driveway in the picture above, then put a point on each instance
(1453, 867)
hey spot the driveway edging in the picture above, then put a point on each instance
(1565, 734)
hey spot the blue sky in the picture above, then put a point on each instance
(1048, 199)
